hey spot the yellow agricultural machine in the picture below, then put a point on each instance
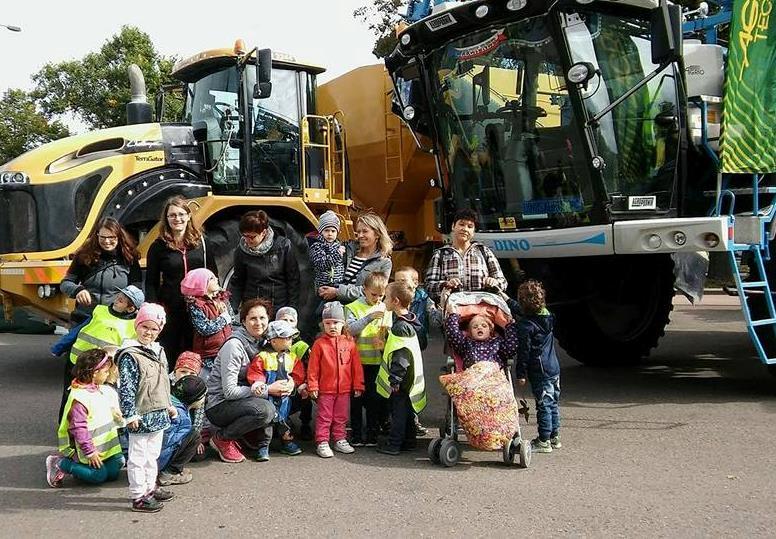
(250, 138)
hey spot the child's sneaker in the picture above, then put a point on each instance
(555, 442)
(291, 448)
(161, 495)
(262, 454)
(388, 449)
(54, 475)
(324, 451)
(539, 446)
(342, 446)
(356, 441)
(147, 504)
(228, 450)
(167, 478)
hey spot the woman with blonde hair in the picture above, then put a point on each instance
(180, 248)
(368, 253)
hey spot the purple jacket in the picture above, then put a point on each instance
(497, 348)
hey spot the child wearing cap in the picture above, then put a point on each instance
(302, 351)
(108, 327)
(326, 251)
(144, 395)
(211, 315)
(279, 364)
(334, 373)
(182, 438)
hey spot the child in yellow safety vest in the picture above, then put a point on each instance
(367, 322)
(89, 447)
(280, 364)
(400, 376)
(108, 326)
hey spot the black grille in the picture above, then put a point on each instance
(18, 222)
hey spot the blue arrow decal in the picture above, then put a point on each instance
(598, 239)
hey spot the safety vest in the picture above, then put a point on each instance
(299, 348)
(272, 366)
(369, 343)
(418, 389)
(99, 421)
(103, 329)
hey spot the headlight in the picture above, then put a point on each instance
(409, 113)
(14, 177)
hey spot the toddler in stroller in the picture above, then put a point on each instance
(479, 384)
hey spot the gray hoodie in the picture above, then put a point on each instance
(228, 380)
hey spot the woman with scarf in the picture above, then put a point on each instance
(265, 265)
(180, 248)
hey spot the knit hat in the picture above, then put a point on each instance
(134, 294)
(153, 312)
(329, 218)
(195, 282)
(189, 360)
(333, 311)
(283, 311)
(281, 329)
(189, 389)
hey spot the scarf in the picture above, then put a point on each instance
(263, 247)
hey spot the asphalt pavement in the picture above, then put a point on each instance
(680, 446)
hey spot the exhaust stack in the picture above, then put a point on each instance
(138, 109)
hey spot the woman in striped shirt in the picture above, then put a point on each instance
(371, 251)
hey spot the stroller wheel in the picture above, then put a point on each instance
(508, 452)
(524, 451)
(449, 452)
(433, 450)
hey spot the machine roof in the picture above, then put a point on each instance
(192, 68)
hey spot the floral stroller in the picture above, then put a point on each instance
(481, 399)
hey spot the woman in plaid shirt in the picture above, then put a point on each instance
(463, 264)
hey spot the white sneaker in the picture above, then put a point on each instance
(324, 451)
(342, 446)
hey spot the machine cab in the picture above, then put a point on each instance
(261, 145)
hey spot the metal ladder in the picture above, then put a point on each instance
(760, 253)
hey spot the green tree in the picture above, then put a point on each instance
(23, 126)
(95, 89)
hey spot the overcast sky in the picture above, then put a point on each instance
(322, 32)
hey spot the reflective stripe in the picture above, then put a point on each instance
(108, 445)
(369, 353)
(98, 343)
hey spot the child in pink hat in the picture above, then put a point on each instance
(211, 315)
(144, 396)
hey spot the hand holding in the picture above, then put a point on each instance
(357, 393)
(133, 425)
(172, 411)
(491, 282)
(455, 282)
(200, 449)
(314, 395)
(83, 298)
(327, 292)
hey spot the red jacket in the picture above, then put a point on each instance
(335, 366)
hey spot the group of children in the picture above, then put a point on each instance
(365, 367)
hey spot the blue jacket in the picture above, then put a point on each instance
(179, 428)
(536, 347)
(419, 307)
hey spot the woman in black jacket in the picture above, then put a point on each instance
(180, 248)
(265, 265)
(106, 262)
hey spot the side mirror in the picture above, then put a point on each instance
(263, 87)
(666, 27)
(482, 79)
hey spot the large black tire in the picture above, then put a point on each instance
(224, 237)
(625, 313)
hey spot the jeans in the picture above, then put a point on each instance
(109, 471)
(402, 421)
(233, 419)
(332, 417)
(184, 453)
(547, 394)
